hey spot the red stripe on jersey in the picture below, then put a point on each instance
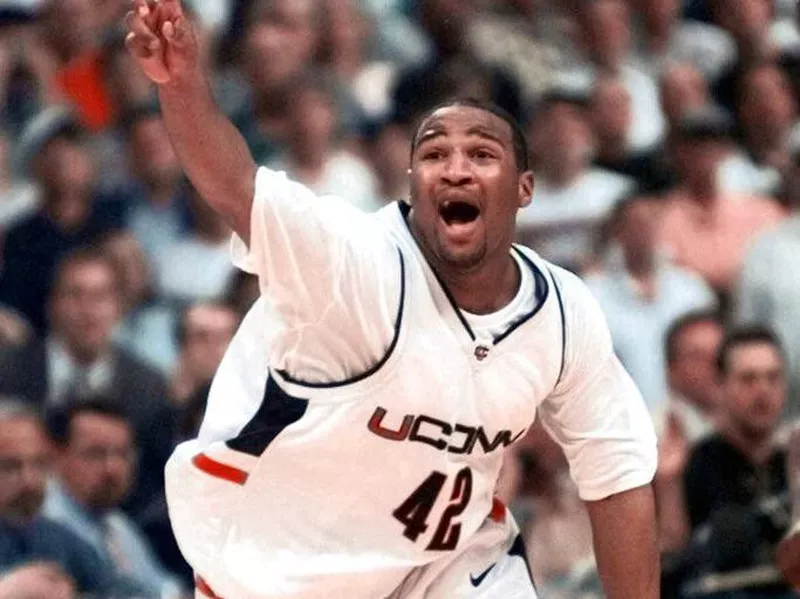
(219, 470)
(498, 512)
(203, 587)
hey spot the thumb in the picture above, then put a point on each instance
(176, 32)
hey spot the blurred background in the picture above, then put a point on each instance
(665, 138)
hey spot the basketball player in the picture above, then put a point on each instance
(357, 423)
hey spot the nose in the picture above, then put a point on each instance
(457, 170)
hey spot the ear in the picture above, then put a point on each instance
(525, 186)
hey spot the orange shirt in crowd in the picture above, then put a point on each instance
(712, 239)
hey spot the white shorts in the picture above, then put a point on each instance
(492, 566)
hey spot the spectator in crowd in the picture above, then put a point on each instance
(611, 117)
(73, 37)
(766, 113)
(276, 44)
(344, 49)
(691, 346)
(95, 465)
(158, 215)
(71, 214)
(37, 554)
(735, 485)
(605, 37)
(769, 292)
(387, 144)
(203, 333)
(146, 323)
(683, 91)
(314, 153)
(447, 23)
(571, 199)
(690, 413)
(668, 39)
(641, 293)
(748, 21)
(529, 38)
(197, 266)
(705, 228)
(79, 358)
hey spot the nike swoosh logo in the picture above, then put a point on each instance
(477, 580)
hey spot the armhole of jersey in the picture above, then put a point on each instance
(398, 323)
(563, 328)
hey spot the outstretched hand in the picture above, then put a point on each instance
(161, 39)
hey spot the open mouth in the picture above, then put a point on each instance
(458, 213)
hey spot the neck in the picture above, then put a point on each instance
(309, 162)
(640, 266)
(68, 212)
(758, 450)
(483, 290)
(704, 191)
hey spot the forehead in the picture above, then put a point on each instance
(754, 355)
(93, 425)
(464, 120)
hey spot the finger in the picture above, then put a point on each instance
(176, 32)
(141, 40)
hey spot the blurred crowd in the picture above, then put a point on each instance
(665, 139)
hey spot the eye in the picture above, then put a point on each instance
(482, 154)
(433, 154)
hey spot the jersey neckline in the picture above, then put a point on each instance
(541, 293)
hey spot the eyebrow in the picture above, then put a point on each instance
(478, 131)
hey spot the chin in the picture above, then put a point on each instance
(463, 259)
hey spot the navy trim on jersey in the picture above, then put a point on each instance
(518, 549)
(563, 328)
(541, 292)
(359, 377)
(277, 411)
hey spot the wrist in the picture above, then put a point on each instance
(190, 81)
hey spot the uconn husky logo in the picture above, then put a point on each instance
(458, 438)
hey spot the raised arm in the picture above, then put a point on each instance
(330, 272)
(213, 153)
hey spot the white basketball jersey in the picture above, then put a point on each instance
(307, 488)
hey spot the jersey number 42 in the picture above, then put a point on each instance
(413, 512)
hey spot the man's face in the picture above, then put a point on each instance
(64, 167)
(152, 152)
(693, 371)
(280, 42)
(611, 111)
(465, 186)
(209, 330)
(24, 465)
(638, 227)
(85, 306)
(754, 388)
(97, 464)
(563, 138)
(607, 33)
